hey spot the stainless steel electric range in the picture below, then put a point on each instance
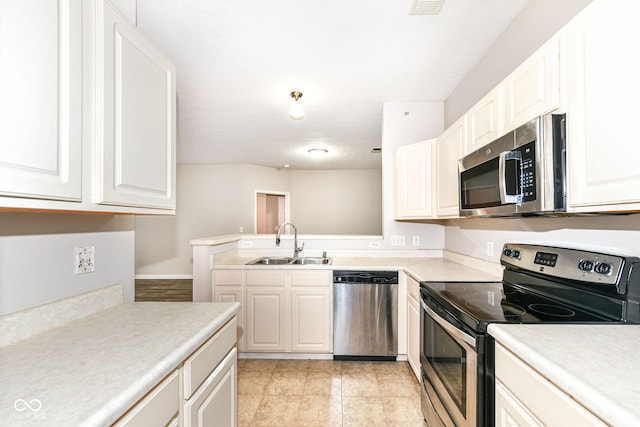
(541, 284)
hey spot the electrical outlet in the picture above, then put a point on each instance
(245, 244)
(374, 245)
(489, 248)
(397, 241)
(241, 229)
(85, 260)
(416, 241)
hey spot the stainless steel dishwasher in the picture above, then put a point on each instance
(365, 315)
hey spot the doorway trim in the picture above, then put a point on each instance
(287, 206)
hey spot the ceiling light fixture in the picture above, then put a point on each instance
(318, 152)
(296, 112)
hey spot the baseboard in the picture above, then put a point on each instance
(163, 276)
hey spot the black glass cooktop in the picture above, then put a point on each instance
(480, 303)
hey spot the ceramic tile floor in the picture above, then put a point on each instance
(301, 393)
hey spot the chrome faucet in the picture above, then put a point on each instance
(296, 249)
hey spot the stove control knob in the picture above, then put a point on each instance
(603, 268)
(511, 253)
(585, 265)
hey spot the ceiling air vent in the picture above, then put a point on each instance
(425, 7)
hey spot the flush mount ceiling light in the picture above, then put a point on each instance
(318, 152)
(296, 112)
(425, 7)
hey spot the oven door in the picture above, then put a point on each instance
(448, 359)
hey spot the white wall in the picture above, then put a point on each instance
(616, 234)
(538, 21)
(37, 253)
(405, 123)
(337, 201)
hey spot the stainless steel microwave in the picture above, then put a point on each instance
(520, 173)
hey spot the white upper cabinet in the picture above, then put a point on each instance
(135, 126)
(415, 180)
(485, 121)
(534, 87)
(41, 101)
(449, 148)
(603, 70)
(87, 112)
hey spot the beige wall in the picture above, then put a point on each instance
(216, 200)
(539, 20)
(337, 201)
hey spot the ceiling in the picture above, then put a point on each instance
(238, 61)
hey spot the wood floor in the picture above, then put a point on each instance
(173, 290)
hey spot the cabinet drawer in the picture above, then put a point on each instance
(215, 403)
(227, 277)
(311, 278)
(268, 278)
(157, 408)
(198, 367)
(542, 398)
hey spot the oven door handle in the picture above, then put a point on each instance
(502, 177)
(455, 332)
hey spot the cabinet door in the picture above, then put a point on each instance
(41, 102)
(266, 319)
(510, 412)
(484, 121)
(449, 148)
(215, 403)
(413, 326)
(602, 131)
(414, 180)
(311, 320)
(135, 117)
(534, 87)
(233, 294)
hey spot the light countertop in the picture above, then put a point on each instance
(420, 268)
(92, 370)
(597, 365)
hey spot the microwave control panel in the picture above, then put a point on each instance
(528, 171)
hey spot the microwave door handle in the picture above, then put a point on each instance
(502, 177)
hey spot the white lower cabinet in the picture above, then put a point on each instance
(266, 319)
(311, 320)
(413, 325)
(284, 310)
(215, 403)
(210, 381)
(526, 398)
(203, 391)
(158, 408)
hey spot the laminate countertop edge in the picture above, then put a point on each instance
(596, 365)
(89, 372)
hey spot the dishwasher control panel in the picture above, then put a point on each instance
(376, 277)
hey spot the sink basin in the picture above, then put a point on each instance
(271, 261)
(290, 261)
(311, 261)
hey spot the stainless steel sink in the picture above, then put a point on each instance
(312, 261)
(271, 261)
(290, 261)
